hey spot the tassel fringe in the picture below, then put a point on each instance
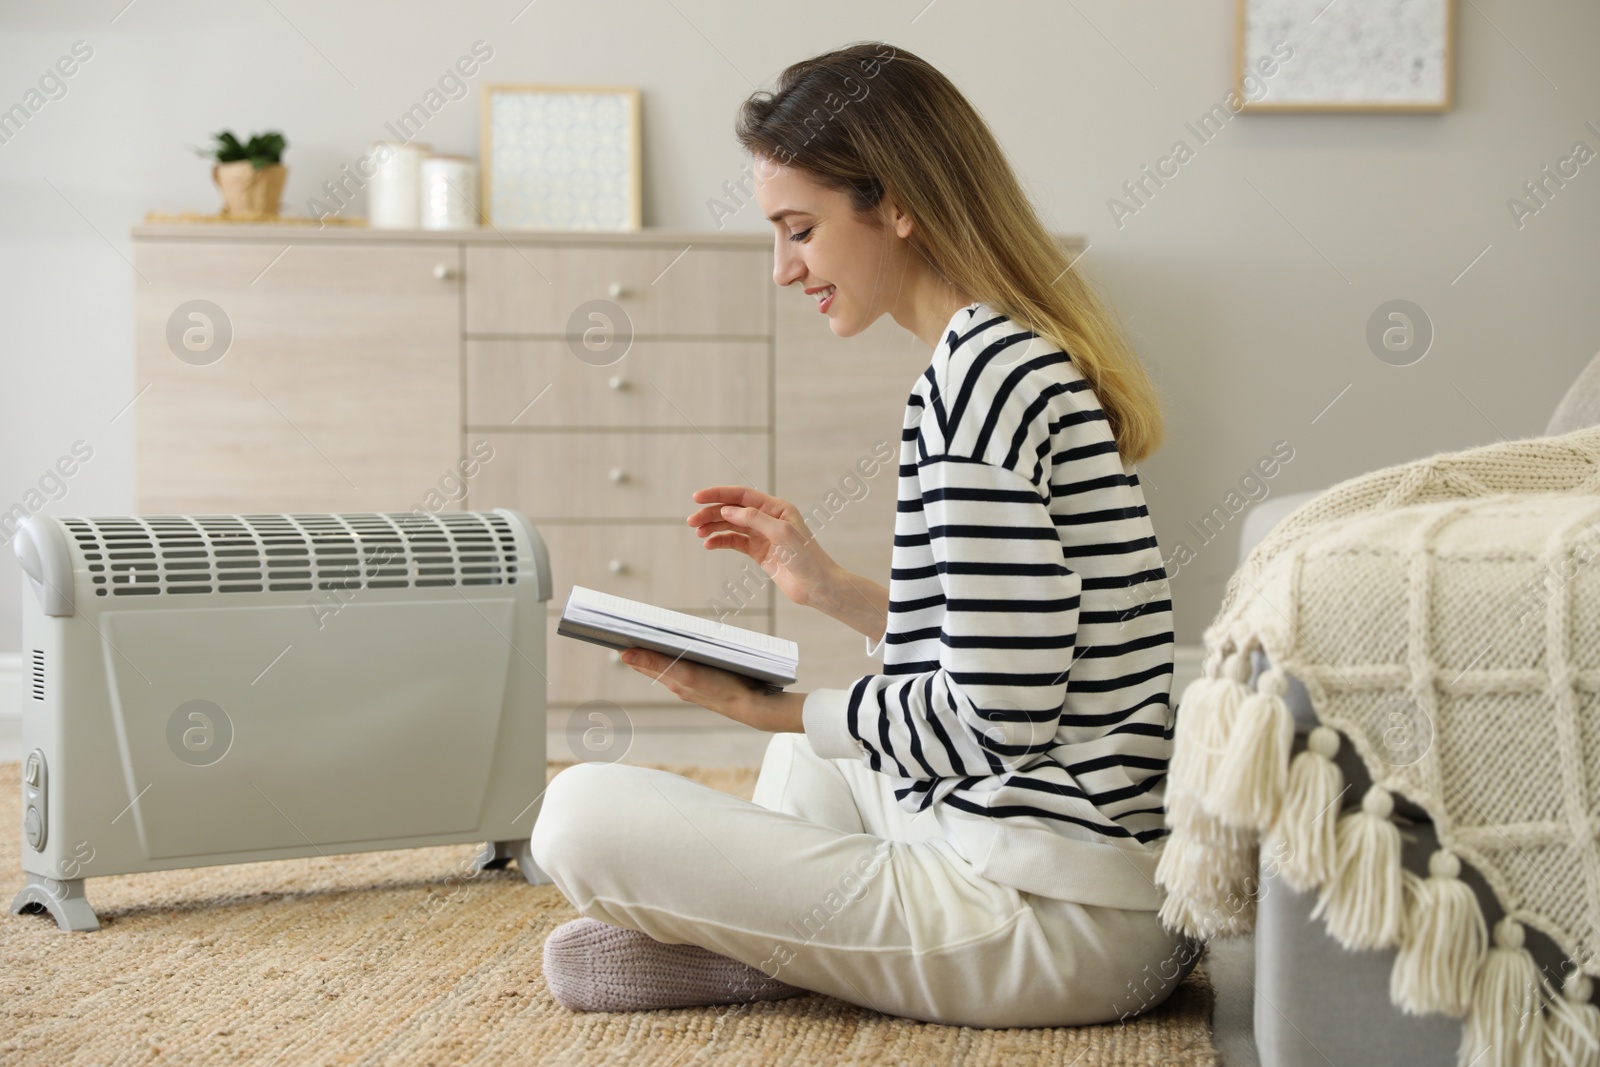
(1195, 704)
(1215, 864)
(1572, 1025)
(1209, 716)
(1504, 1027)
(1364, 902)
(1302, 840)
(1251, 773)
(1445, 941)
(1208, 865)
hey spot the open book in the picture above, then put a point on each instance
(767, 662)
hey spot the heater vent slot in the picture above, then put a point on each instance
(37, 672)
(174, 555)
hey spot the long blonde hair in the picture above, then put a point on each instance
(870, 119)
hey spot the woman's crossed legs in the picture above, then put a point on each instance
(824, 882)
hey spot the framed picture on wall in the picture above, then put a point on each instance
(561, 157)
(1345, 55)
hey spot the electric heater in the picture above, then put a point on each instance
(230, 688)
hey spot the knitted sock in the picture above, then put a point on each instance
(594, 966)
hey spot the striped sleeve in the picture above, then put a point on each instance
(1009, 609)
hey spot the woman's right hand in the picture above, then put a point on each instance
(769, 531)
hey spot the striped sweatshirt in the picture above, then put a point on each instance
(1028, 652)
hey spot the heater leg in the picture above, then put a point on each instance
(64, 900)
(497, 853)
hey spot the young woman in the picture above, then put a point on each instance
(971, 836)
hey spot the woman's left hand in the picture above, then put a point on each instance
(722, 691)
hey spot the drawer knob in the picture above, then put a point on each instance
(444, 271)
(617, 381)
(618, 474)
(616, 566)
(618, 289)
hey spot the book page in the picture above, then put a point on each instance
(679, 622)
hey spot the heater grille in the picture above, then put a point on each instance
(168, 555)
(38, 674)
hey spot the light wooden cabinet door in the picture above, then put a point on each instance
(587, 476)
(703, 384)
(278, 375)
(537, 289)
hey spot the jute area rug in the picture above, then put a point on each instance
(407, 958)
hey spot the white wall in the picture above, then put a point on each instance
(1246, 282)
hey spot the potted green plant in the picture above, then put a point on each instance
(250, 175)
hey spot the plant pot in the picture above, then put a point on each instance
(248, 193)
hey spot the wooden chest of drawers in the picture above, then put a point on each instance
(590, 381)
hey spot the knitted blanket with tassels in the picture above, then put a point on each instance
(1444, 617)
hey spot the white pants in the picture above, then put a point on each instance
(825, 882)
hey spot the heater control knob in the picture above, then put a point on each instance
(35, 800)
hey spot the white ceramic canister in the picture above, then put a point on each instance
(394, 198)
(449, 193)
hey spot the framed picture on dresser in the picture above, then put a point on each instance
(561, 157)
